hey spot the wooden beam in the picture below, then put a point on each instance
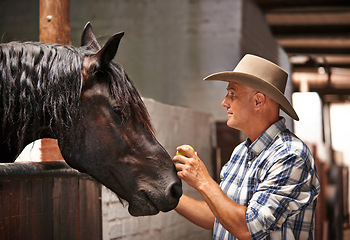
(54, 21)
(330, 94)
(317, 51)
(301, 68)
(310, 30)
(273, 4)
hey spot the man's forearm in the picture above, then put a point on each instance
(196, 211)
(230, 214)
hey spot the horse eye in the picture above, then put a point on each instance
(117, 110)
(121, 114)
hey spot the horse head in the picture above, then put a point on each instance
(112, 138)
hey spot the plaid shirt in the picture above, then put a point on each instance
(276, 178)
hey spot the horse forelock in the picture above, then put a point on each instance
(127, 96)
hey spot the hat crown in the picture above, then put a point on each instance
(263, 69)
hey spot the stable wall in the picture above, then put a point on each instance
(170, 46)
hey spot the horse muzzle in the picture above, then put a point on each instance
(150, 201)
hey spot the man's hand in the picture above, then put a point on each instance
(191, 169)
(229, 213)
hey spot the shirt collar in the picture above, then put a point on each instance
(255, 148)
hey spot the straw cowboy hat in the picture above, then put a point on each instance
(262, 75)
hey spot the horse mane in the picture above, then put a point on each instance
(42, 83)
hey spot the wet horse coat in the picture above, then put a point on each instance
(87, 102)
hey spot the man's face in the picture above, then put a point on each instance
(239, 103)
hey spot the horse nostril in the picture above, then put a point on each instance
(176, 190)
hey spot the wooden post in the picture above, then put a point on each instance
(54, 27)
(54, 21)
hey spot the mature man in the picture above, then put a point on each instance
(269, 187)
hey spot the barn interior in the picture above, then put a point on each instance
(170, 46)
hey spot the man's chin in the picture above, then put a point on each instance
(230, 123)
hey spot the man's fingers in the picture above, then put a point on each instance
(179, 159)
(186, 150)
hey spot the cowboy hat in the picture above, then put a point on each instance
(262, 75)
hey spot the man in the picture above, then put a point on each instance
(269, 187)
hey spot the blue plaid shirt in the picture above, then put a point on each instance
(276, 178)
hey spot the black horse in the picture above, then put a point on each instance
(86, 101)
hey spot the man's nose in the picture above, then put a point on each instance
(224, 103)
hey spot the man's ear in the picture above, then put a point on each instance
(260, 99)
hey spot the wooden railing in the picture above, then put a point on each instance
(48, 200)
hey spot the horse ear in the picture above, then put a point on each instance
(88, 38)
(107, 53)
(103, 57)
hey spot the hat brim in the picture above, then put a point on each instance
(258, 84)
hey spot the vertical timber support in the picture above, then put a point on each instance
(54, 27)
(54, 21)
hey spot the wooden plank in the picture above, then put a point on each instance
(41, 209)
(90, 209)
(4, 213)
(13, 207)
(24, 192)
